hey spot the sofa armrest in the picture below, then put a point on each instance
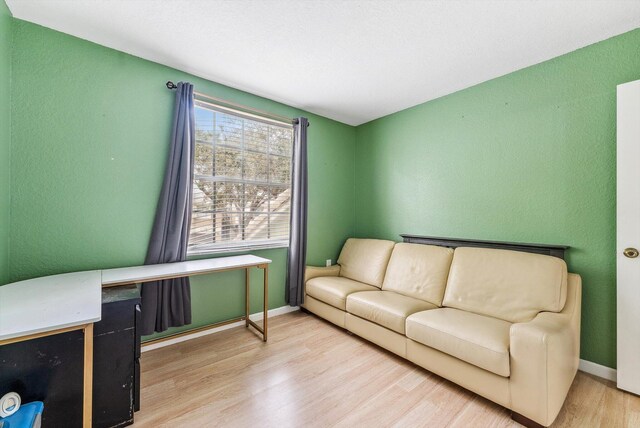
(545, 353)
(315, 271)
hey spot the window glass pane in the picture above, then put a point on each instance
(257, 199)
(229, 197)
(279, 199)
(229, 227)
(280, 169)
(279, 228)
(228, 162)
(256, 166)
(256, 136)
(228, 130)
(203, 159)
(280, 140)
(201, 229)
(202, 195)
(258, 228)
(204, 125)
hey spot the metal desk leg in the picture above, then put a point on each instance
(266, 301)
(87, 405)
(248, 322)
(246, 297)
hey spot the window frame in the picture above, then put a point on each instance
(242, 245)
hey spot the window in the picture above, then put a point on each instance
(242, 181)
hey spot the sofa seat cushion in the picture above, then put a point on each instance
(477, 339)
(385, 308)
(333, 290)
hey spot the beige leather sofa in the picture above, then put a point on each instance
(503, 324)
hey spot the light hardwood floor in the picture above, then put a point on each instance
(313, 374)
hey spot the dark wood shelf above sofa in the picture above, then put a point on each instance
(548, 250)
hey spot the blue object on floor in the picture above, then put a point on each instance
(28, 416)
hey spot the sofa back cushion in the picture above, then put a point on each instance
(419, 271)
(365, 260)
(510, 285)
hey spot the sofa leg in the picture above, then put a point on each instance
(523, 420)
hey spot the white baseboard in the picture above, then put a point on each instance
(598, 370)
(255, 317)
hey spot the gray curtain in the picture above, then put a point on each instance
(297, 256)
(167, 303)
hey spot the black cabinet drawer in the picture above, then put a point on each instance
(113, 379)
(116, 347)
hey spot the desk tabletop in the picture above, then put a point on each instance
(60, 301)
(49, 303)
(136, 274)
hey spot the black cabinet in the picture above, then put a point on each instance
(116, 354)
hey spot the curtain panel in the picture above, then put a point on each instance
(167, 303)
(297, 255)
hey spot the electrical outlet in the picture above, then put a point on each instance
(328, 262)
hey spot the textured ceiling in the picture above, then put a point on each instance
(351, 60)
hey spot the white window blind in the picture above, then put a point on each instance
(242, 181)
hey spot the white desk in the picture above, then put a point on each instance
(147, 273)
(61, 303)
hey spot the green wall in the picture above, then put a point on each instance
(5, 138)
(90, 140)
(527, 157)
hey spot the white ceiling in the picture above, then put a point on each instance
(349, 60)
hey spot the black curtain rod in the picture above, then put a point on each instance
(171, 85)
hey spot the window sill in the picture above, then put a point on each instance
(243, 248)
